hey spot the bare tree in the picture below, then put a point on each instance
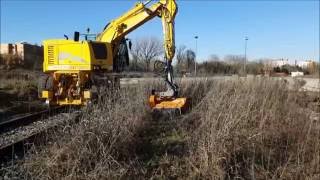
(234, 59)
(185, 59)
(181, 57)
(191, 56)
(134, 64)
(146, 50)
(181, 54)
(237, 61)
(214, 58)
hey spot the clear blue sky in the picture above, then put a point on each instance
(276, 29)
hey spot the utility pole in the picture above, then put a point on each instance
(195, 60)
(245, 56)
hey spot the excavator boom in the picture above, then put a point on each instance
(134, 18)
(137, 16)
(74, 68)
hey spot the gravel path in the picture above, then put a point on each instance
(24, 132)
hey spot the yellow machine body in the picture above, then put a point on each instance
(70, 64)
(76, 55)
(69, 87)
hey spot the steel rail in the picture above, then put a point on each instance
(18, 147)
(28, 119)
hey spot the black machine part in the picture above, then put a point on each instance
(121, 60)
(167, 70)
(45, 83)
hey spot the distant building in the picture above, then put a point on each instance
(309, 65)
(269, 65)
(279, 62)
(305, 64)
(21, 54)
(297, 73)
(272, 63)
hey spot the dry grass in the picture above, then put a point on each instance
(9, 61)
(253, 130)
(19, 87)
(236, 129)
(19, 83)
(97, 146)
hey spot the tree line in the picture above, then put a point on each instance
(145, 51)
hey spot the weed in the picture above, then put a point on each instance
(250, 129)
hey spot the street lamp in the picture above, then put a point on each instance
(245, 56)
(195, 60)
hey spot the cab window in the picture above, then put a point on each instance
(99, 50)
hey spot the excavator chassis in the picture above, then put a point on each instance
(74, 87)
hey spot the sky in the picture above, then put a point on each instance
(275, 29)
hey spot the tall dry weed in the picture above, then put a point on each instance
(253, 130)
(247, 129)
(97, 145)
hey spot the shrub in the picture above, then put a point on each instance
(249, 129)
(253, 130)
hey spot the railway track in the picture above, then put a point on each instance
(26, 119)
(18, 134)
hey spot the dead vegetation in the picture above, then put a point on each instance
(19, 82)
(9, 61)
(236, 129)
(253, 130)
(18, 93)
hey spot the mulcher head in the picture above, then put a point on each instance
(178, 105)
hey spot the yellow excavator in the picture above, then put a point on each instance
(74, 67)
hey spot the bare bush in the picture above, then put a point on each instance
(249, 129)
(181, 56)
(21, 83)
(146, 50)
(95, 147)
(191, 59)
(253, 130)
(231, 64)
(185, 60)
